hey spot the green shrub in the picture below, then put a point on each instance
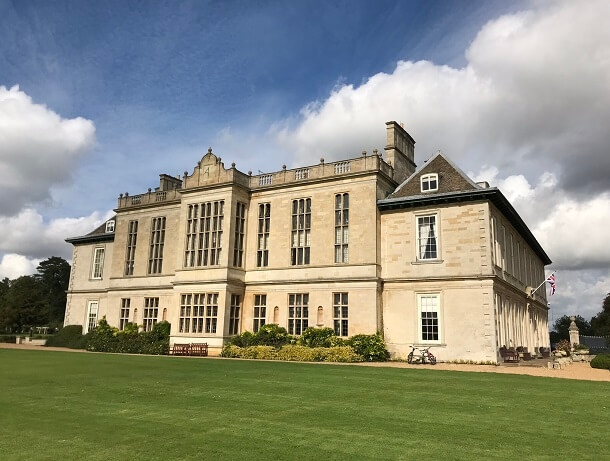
(156, 341)
(243, 340)
(601, 361)
(259, 352)
(337, 341)
(370, 347)
(317, 337)
(105, 338)
(268, 335)
(8, 339)
(250, 352)
(341, 354)
(272, 334)
(70, 336)
(292, 353)
(230, 351)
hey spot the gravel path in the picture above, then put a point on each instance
(576, 370)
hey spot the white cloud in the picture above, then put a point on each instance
(13, 266)
(534, 94)
(573, 233)
(532, 105)
(27, 233)
(579, 293)
(38, 149)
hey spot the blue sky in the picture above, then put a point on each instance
(161, 80)
(514, 92)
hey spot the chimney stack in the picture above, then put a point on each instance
(400, 151)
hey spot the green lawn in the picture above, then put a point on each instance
(73, 406)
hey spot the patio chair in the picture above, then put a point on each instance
(509, 355)
(545, 352)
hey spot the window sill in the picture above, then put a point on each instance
(427, 261)
(430, 345)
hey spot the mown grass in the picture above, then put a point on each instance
(69, 406)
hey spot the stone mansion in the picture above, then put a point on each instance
(423, 255)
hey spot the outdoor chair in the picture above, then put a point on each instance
(509, 355)
(545, 352)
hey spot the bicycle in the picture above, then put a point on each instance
(423, 356)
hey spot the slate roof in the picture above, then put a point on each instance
(98, 235)
(454, 186)
(451, 178)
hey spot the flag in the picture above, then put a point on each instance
(551, 280)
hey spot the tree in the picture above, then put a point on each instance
(600, 323)
(53, 277)
(35, 300)
(23, 305)
(562, 324)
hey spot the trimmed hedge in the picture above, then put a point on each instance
(8, 339)
(601, 361)
(70, 336)
(293, 353)
(370, 348)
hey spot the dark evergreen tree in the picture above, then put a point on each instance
(36, 300)
(600, 324)
(23, 305)
(562, 324)
(53, 277)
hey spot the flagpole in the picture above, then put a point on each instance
(538, 287)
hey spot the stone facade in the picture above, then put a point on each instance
(361, 245)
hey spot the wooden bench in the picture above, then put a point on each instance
(191, 349)
(180, 349)
(200, 349)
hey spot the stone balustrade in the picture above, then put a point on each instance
(363, 164)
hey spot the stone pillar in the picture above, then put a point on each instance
(573, 329)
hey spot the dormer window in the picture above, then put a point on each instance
(429, 182)
(110, 226)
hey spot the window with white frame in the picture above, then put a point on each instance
(110, 226)
(264, 221)
(341, 228)
(92, 308)
(429, 182)
(427, 237)
(240, 225)
(151, 313)
(301, 231)
(260, 312)
(130, 253)
(298, 313)
(124, 314)
(429, 328)
(97, 269)
(157, 242)
(340, 314)
(234, 314)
